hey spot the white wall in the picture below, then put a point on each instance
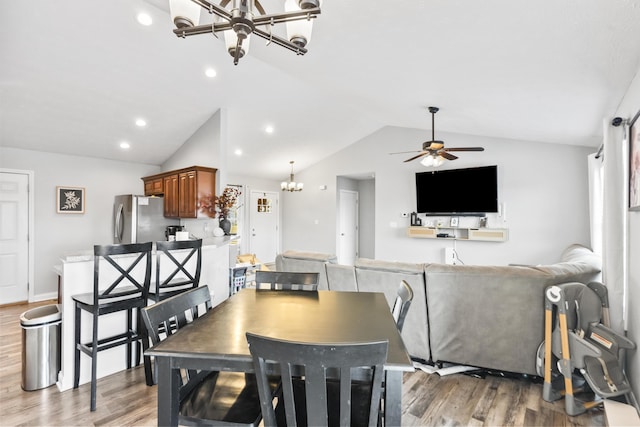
(544, 187)
(57, 234)
(628, 108)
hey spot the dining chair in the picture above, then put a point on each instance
(121, 280)
(206, 397)
(286, 280)
(402, 304)
(178, 267)
(309, 396)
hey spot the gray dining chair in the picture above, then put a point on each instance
(207, 397)
(402, 304)
(309, 395)
(287, 280)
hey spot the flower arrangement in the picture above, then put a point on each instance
(226, 201)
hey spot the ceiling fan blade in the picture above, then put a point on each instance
(418, 156)
(446, 155)
(464, 149)
(405, 152)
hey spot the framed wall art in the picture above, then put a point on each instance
(70, 200)
(634, 163)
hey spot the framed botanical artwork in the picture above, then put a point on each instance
(634, 163)
(70, 200)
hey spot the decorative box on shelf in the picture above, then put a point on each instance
(478, 234)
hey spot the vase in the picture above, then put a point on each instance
(225, 224)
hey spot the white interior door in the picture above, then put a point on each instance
(348, 227)
(263, 225)
(14, 237)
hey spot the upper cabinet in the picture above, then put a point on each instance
(183, 189)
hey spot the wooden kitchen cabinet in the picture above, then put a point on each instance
(183, 189)
(171, 196)
(154, 187)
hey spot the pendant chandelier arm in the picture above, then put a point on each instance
(279, 41)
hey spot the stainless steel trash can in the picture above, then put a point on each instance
(40, 346)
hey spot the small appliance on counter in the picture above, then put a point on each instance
(139, 219)
(171, 231)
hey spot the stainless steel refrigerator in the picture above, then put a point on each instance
(139, 219)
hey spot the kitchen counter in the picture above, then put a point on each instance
(87, 255)
(76, 274)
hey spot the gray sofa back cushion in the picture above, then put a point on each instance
(306, 262)
(385, 277)
(341, 277)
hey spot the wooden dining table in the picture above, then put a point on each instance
(217, 340)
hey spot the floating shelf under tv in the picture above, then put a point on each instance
(477, 234)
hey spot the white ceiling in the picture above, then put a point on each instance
(74, 75)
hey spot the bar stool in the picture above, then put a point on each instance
(123, 287)
(178, 266)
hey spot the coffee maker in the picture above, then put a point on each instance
(170, 232)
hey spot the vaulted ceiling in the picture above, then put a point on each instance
(75, 74)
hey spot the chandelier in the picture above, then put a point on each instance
(242, 19)
(292, 185)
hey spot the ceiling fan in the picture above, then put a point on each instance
(435, 150)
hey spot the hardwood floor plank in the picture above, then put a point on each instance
(124, 399)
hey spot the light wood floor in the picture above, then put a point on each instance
(124, 398)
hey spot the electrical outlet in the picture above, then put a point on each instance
(449, 256)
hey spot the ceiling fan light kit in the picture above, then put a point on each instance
(244, 18)
(292, 185)
(435, 151)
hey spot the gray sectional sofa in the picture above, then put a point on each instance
(486, 316)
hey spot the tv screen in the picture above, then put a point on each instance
(470, 191)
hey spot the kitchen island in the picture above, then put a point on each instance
(76, 277)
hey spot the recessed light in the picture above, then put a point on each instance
(141, 123)
(210, 72)
(144, 19)
(269, 129)
(125, 145)
(238, 152)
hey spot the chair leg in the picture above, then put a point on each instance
(76, 349)
(94, 361)
(129, 338)
(142, 330)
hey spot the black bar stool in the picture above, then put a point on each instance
(178, 266)
(126, 290)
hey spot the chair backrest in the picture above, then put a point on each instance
(176, 270)
(402, 304)
(132, 276)
(311, 361)
(173, 313)
(286, 280)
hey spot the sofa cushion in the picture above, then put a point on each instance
(385, 276)
(341, 277)
(392, 266)
(306, 262)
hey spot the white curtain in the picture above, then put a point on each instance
(614, 230)
(596, 202)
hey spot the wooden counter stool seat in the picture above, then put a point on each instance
(121, 280)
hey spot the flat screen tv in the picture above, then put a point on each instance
(460, 192)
